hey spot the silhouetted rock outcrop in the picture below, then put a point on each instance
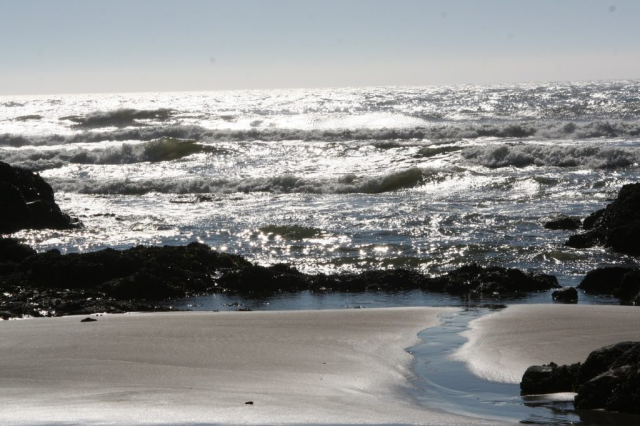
(617, 226)
(28, 203)
(608, 379)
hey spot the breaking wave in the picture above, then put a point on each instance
(449, 131)
(164, 149)
(119, 118)
(590, 156)
(349, 184)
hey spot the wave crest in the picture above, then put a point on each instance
(119, 118)
(349, 184)
(449, 131)
(163, 149)
(590, 156)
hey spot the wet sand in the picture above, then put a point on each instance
(340, 367)
(504, 344)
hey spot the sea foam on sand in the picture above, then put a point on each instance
(340, 366)
(503, 345)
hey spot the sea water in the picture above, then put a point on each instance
(334, 180)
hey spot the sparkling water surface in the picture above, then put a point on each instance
(334, 180)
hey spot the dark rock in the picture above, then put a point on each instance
(14, 209)
(609, 379)
(464, 280)
(490, 280)
(625, 238)
(143, 284)
(591, 220)
(630, 287)
(549, 379)
(586, 240)
(28, 203)
(566, 295)
(261, 279)
(615, 281)
(617, 226)
(88, 320)
(121, 280)
(12, 250)
(596, 392)
(563, 223)
(604, 280)
(600, 360)
(31, 186)
(249, 403)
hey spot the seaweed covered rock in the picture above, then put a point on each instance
(51, 282)
(385, 280)
(493, 279)
(28, 202)
(139, 272)
(261, 279)
(617, 226)
(614, 281)
(465, 280)
(108, 280)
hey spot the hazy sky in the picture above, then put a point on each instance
(69, 46)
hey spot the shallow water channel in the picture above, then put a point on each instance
(445, 384)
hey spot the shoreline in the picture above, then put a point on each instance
(337, 366)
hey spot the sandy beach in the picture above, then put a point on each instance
(504, 344)
(340, 367)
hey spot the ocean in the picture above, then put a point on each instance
(332, 180)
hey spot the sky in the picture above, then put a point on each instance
(87, 46)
